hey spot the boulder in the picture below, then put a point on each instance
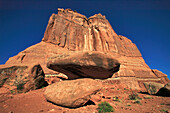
(73, 93)
(21, 78)
(85, 65)
(153, 87)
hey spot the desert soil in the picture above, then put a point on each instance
(35, 102)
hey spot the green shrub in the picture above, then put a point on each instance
(162, 104)
(104, 107)
(126, 89)
(128, 105)
(12, 91)
(137, 102)
(164, 110)
(147, 97)
(139, 98)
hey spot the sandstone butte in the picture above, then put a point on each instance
(69, 32)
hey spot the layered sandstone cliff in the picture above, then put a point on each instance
(73, 31)
(69, 31)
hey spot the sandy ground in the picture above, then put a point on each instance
(35, 102)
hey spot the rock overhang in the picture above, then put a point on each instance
(85, 65)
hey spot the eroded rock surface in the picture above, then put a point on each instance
(22, 78)
(71, 30)
(153, 87)
(161, 75)
(74, 93)
(85, 65)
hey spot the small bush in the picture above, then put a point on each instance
(104, 107)
(12, 91)
(126, 89)
(137, 102)
(147, 97)
(128, 105)
(162, 104)
(139, 98)
(133, 96)
(164, 110)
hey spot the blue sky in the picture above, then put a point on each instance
(145, 22)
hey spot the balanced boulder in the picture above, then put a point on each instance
(72, 93)
(85, 65)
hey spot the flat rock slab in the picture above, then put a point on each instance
(72, 93)
(84, 65)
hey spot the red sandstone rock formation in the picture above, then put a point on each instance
(160, 75)
(152, 87)
(21, 78)
(85, 65)
(73, 93)
(73, 31)
(69, 31)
